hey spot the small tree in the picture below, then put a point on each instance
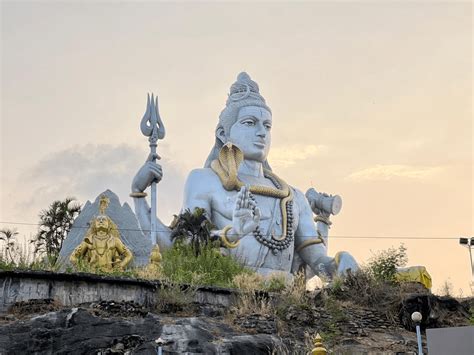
(383, 265)
(55, 223)
(446, 288)
(8, 236)
(193, 228)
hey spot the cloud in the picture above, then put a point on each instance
(285, 156)
(388, 172)
(86, 171)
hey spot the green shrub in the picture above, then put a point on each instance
(181, 265)
(383, 265)
(22, 260)
(6, 265)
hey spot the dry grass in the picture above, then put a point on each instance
(252, 282)
(248, 282)
(253, 303)
(295, 291)
(174, 298)
(149, 272)
(27, 309)
(250, 300)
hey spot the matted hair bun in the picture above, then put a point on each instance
(244, 88)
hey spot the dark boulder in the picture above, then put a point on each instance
(436, 311)
(87, 331)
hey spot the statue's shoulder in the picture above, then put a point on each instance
(299, 196)
(202, 179)
(201, 173)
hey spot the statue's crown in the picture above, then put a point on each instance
(244, 88)
(103, 204)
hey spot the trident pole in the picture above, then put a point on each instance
(153, 195)
(153, 128)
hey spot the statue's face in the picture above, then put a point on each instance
(252, 132)
(101, 223)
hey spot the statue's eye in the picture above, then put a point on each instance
(248, 123)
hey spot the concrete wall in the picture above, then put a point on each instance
(74, 289)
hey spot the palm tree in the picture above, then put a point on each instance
(193, 228)
(55, 223)
(8, 236)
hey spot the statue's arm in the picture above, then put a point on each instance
(148, 173)
(124, 252)
(309, 241)
(79, 252)
(314, 253)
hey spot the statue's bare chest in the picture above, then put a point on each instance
(225, 203)
(271, 220)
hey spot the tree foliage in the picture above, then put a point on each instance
(193, 228)
(7, 235)
(54, 225)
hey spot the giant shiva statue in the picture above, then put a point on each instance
(261, 220)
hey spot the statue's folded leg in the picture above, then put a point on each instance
(344, 262)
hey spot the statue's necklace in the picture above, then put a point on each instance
(102, 239)
(226, 167)
(277, 244)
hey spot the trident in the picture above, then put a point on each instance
(153, 128)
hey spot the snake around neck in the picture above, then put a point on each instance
(226, 168)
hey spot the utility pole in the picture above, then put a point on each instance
(468, 242)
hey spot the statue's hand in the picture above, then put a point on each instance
(246, 215)
(148, 173)
(315, 200)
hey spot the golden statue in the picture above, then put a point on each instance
(102, 247)
(155, 256)
(153, 269)
(319, 349)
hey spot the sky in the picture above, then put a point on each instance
(370, 100)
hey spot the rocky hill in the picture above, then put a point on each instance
(257, 323)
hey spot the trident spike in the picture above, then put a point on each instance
(151, 124)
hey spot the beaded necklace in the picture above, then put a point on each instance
(226, 167)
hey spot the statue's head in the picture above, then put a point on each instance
(101, 223)
(245, 121)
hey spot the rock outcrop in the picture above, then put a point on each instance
(43, 315)
(119, 328)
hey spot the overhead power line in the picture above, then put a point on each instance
(407, 237)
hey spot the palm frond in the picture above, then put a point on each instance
(55, 224)
(193, 228)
